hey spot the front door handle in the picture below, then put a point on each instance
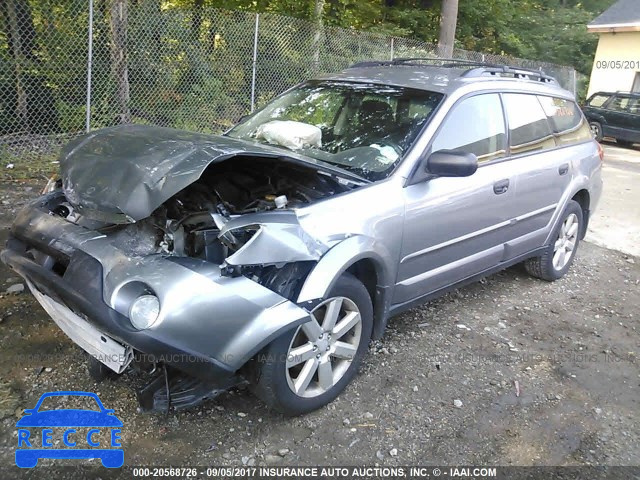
(563, 169)
(501, 187)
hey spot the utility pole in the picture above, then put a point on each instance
(448, 21)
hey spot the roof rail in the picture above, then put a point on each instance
(480, 68)
(445, 62)
(515, 72)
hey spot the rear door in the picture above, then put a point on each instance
(454, 227)
(631, 121)
(618, 117)
(541, 132)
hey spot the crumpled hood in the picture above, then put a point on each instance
(122, 174)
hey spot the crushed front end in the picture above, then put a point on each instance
(166, 310)
(193, 282)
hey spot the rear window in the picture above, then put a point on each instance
(529, 129)
(620, 103)
(598, 100)
(566, 120)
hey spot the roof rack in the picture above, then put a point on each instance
(481, 69)
(515, 72)
(446, 62)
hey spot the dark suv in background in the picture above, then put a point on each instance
(616, 115)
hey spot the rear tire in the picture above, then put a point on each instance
(309, 366)
(624, 143)
(558, 256)
(596, 129)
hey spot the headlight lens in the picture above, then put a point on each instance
(144, 311)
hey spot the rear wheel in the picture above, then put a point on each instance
(624, 143)
(308, 367)
(559, 254)
(596, 129)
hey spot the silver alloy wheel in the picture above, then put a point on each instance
(321, 350)
(594, 129)
(566, 242)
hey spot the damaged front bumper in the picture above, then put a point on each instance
(208, 327)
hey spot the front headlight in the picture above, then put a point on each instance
(144, 311)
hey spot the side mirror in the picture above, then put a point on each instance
(451, 163)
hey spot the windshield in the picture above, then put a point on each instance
(363, 128)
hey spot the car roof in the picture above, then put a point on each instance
(445, 77)
(627, 94)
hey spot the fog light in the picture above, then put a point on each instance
(144, 311)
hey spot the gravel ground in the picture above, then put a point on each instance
(510, 370)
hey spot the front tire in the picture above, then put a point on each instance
(558, 256)
(308, 367)
(596, 129)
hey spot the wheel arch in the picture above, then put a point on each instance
(367, 261)
(577, 191)
(583, 198)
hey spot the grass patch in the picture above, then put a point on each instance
(26, 166)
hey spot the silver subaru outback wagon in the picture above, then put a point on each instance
(273, 254)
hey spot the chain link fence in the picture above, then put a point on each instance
(69, 67)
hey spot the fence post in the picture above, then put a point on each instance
(391, 56)
(89, 65)
(255, 61)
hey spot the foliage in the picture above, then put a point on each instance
(189, 63)
(547, 30)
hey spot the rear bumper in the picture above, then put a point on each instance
(209, 324)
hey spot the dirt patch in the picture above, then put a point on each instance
(572, 347)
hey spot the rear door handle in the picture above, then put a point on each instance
(501, 187)
(563, 169)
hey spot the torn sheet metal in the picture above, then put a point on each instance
(122, 174)
(279, 238)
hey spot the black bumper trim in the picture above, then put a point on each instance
(85, 296)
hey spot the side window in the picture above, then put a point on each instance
(567, 122)
(474, 125)
(634, 106)
(529, 128)
(619, 104)
(598, 100)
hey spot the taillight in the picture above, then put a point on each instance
(600, 152)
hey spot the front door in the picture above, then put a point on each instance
(454, 227)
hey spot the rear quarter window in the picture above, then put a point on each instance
(634, 106)
(566, 120)
(619, 104)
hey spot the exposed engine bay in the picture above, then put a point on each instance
(190, 223)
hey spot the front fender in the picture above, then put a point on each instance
(338, 259)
